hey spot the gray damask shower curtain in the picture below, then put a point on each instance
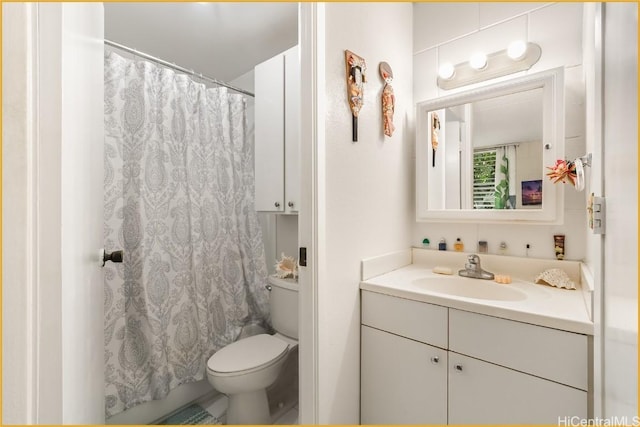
(179, 201)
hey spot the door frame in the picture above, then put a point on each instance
(36, 258)
(311, 27)
(37, 362)
(594, 91)
(58, 371)
(20, 192)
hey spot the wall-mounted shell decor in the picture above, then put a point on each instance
(388, 99)
(356, 68)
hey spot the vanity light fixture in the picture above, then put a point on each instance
(478, 61)
(446, 71)
(519, 56)
(517, 50)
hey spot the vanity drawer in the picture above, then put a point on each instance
(548, 353)
(419, 321)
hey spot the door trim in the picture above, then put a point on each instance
(20, 162)
(596, 186)
(310, 223)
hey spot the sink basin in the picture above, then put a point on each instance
(470, 288)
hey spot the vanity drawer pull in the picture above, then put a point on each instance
(435, 360)
(458, 367)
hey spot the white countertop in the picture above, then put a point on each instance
(543, 305)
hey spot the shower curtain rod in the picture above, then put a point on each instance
(176, 67)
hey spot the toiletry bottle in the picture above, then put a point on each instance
(503, 248)
(558, 245)
(458, 246)
(482, 247)
(425, 243)
(442, 246)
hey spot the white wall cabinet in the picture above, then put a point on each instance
(277, 133)
(428, 364)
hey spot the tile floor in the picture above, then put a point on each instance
(289, 418)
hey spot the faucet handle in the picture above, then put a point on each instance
(473, 259)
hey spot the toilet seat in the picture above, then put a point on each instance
(247, 355)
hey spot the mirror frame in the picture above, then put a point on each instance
(552, 211)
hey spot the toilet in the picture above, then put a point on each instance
(244, 369)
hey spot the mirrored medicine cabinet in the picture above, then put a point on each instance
(481, 154)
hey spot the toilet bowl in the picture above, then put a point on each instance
(244, 369)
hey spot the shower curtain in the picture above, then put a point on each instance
(179, 188)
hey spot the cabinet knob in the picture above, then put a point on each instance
(458, 367)
(435, 360)
(290, 204)
(276, 204)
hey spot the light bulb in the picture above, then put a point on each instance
(517, 50)
(478, 61)
(446, 71)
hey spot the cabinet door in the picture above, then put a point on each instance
(556, 355)
(292, 129)
(484, 393)
(269, 135)
(402, 381)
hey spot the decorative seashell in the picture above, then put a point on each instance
(555, 277)
(286, 268)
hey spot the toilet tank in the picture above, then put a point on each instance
(283, 306)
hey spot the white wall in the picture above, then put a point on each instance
(368, 186)
(451, 32)
(620, 288)
(286, 236)
(16, 301)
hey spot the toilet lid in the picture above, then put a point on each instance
(247, 353)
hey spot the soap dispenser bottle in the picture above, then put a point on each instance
(458, 246)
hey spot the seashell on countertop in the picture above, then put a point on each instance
(555, 277)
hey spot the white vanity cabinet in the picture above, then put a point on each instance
(485, 393)
(507, 372)
(403, 381)
(403, 377)
(277, 133)
(497, 371)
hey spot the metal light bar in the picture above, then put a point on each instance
(498, 64)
